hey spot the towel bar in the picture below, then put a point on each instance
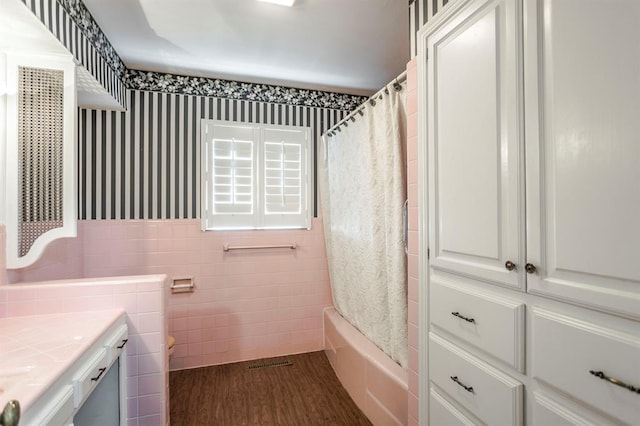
(292, 246)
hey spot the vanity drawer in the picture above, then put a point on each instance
(490, 395)
(443, 413)
(567, 352)
(485, 320)
(547, 412)
(115, 344)
(89, 376)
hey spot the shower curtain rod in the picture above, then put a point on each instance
(351, 116)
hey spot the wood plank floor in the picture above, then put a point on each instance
(305, 393)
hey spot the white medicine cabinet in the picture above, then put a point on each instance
(38, 154)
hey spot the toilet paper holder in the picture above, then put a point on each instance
(183, 285)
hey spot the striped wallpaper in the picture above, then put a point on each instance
(420, 11)
(63, 26)
(144, 163)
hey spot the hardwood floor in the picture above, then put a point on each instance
(305, 393)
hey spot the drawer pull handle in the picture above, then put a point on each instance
(467, 388)
(510, 266)
(457, 314)
(101, 372)
(124, 342)
(614, 381)
(530, 268)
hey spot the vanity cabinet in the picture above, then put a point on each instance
(66, 369)
(530, 121)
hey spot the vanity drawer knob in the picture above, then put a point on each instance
(510, 265)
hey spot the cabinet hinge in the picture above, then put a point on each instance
(428, 253)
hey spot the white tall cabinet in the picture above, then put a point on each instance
(530, 189)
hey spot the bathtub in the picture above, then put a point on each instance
(374, 381)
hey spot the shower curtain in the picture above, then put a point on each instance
(362, 183)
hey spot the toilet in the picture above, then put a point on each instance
(171, 342)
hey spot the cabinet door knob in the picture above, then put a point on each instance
(510, 265)
(10, 416)
(530, 268)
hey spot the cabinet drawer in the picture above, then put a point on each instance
(443, 413)
(565, 352)
(115, 345)
(89, 376)
(547, 412)
(489, 394)
(491, 323)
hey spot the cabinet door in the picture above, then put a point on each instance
(474, 143)
(39, 200)
(582, 103)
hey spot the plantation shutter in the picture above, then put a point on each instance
(255, 177)
(285, 168)
(231, 176)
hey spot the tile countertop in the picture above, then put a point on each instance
(36, 350)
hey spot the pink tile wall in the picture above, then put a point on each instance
(3, 272)
(144, 300)
(3, 262)
(412, 182)
(247, 304)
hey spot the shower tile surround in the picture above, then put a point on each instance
(413, 255)
(247, 304)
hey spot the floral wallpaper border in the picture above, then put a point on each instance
(90, 28)
(187, 85)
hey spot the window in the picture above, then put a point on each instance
(255, 176)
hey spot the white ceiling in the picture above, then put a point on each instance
(352, 46)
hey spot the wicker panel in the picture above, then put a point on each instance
(40, 153)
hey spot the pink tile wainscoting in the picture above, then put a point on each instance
(246, 305)
(413, 256)
(3, 262)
